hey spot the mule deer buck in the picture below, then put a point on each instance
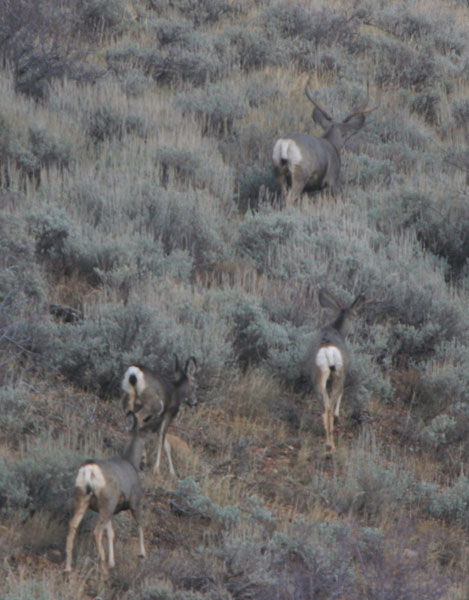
(108, 487)
(148, 394)
(305, 162)
(327, 361)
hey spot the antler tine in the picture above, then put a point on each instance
(309, 95)
(362, 110)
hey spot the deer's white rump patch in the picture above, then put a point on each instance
(90, 475)
(286, 149)
(141, 383)
(328, 357)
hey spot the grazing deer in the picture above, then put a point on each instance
(108, 487)
(303, 161)
(327, 361)
(146, 394)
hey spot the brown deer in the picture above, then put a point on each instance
(148, 394)
(305, 162)
(327, 361)
(108, 487)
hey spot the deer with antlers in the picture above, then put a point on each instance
(302, 161)
(327, 360)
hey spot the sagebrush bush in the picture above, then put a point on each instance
(99, 16)
(66, 249)
(32, 153)
(365, 170)
(39, 43)
(185, 65)
(426, 103)
(420, 28)
(179, 221)
(460, 111)
(388, 129)
(49, 151)
(252, 49)
(295, 20)
(170, 31)
(207, 12)
(94, 353)
(41, 479)
(13, 492)
(14, 405)
(252, 331)
(368, 485)
(22, 294)
(261, 234)
(304, 53)
(442, 228)
(217, 107)
(186, 499)
(439, 431)
(190, 57)
(399, 66)
(186, 168)
(104, 124)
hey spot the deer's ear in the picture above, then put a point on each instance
(191, 367)
(320, 119)
(355, 123)
(328, 300)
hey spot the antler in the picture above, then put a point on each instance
(309, 95)
(362, 110)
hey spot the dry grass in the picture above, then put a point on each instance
(253, 437)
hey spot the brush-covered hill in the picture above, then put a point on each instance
(140, 217)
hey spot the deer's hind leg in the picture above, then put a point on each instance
(328, 419)
(82, 502)
(161, 442)
(297, 185)
(336, 393)
(106, 510)
(282, 178)
(98, 540)
(323, 374)
(110, 539)
(136, 514)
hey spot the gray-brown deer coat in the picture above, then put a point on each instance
(327, 361)
(146, 393)
(108, 487)
(304, 162)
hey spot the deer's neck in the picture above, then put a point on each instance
(334, 137)
(339, 323)
(133, 451)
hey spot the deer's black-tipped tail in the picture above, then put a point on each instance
(133, 379)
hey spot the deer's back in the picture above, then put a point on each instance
(314, 152)
(122, 477)
(156, 394)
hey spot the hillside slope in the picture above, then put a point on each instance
(141, 217)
